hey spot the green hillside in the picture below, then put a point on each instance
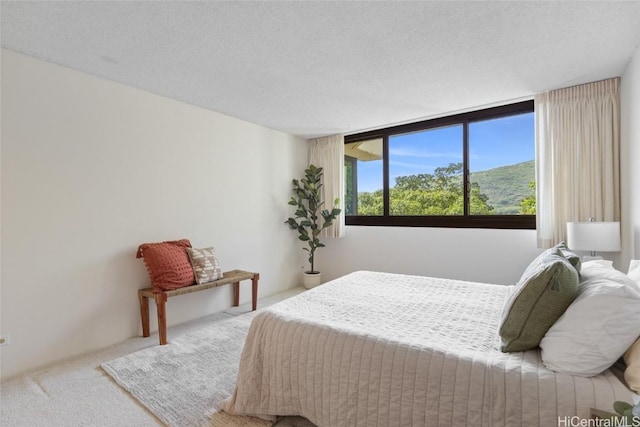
(506, 186)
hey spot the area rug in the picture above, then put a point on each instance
(183, 382)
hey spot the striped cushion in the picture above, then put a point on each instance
(205, 265)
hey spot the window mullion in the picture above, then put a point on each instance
(465, 169)
(385, 176)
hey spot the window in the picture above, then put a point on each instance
(470, 170)
(426, 168)
(363, 176)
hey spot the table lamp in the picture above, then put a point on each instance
(593, 236)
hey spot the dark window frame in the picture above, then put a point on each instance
(527, 222)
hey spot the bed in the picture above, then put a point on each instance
(381, 349)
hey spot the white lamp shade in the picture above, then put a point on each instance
(594, 236)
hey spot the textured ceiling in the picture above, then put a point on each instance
(318, 68)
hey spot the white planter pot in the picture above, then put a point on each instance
(311, 280)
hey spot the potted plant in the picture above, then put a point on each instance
(310, 217)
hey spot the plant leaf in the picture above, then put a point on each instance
(620, 407)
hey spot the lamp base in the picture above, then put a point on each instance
(590, 258)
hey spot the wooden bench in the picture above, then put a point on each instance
(229, 277)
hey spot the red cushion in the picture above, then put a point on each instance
(168, 264)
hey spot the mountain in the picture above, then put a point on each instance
(506, 186)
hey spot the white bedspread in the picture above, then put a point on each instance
(379, 349)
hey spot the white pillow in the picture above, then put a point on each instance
(604, 269)
(598, 327)
(600, 263)
(634, 270)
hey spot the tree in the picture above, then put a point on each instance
(440, 193)
(348, 195)
(528, 204)
(370, 203)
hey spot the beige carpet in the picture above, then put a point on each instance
(77, 392)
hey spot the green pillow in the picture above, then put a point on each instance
(547, 287)
(570, 256)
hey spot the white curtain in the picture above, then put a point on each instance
(328, 153)
(577, 157)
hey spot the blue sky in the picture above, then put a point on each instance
(492, 143)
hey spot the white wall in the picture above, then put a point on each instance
(630, 156)
(91, 169)
(480, 255)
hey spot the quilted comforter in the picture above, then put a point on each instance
(380, 349)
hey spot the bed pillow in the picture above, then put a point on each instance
(598, 327)
(206, 267)
(632, 360)
(167, 264)
(545, 290)
(634, 270)
(573, 258)
(602, 268)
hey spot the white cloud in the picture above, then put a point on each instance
(400, 152)
(409, 165)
